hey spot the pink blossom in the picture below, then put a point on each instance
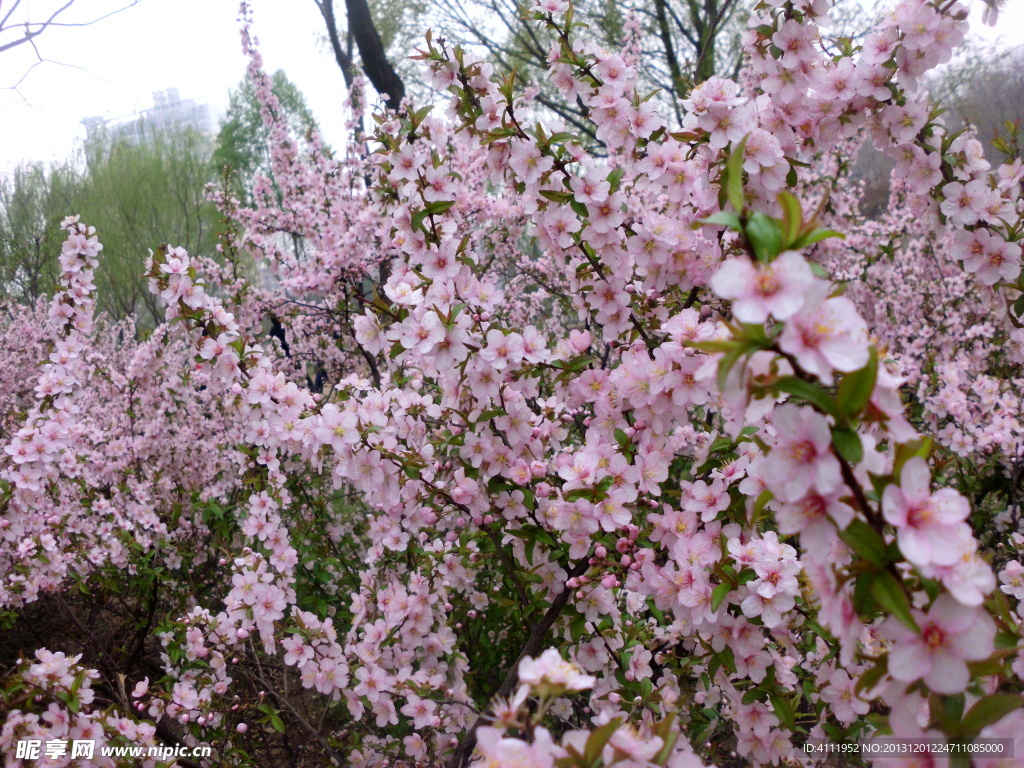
(549, 674)
(801, 460)
(929, 526)
(951, 635)
(826, 334)
(759, 290)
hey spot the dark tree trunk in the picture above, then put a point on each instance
(371, 50)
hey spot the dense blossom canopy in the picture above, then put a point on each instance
(643, 451)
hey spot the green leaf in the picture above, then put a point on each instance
(726, 363)
(417, 219)
(891, 595)
(870, 679)
(577, 627)
(614, 178)
(669, 736)
(734, 176)
(765, 236)
(754, 694)
(815, 235)
(1018, 306)
(439, 206)
(599, 738)
(1005, 640)
(792, 217)
(865, 541)
(809, 392)
(847, 444)
(759, 505)
(718, 595)
(724, 219)
(855, 388)
(783, 710)
(556, 197)
(953, 707)
(277, 723)
(989, 710)
(728, 659)
(713, 346)
(918, 447)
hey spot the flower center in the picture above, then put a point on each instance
(920, 515)
(933, 636)
(802, 451)
(767, 284)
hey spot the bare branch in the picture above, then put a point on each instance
(32, 30)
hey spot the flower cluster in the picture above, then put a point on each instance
(558, 454)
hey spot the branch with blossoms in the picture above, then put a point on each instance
(673, 512)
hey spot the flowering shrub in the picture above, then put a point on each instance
(559, 457)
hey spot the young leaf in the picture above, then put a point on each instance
(847, 444)
(718, 595)
(809, 392)
(724, 219)
(734, 176)
(856, 387)
(891, 595)
(783, 710)
(989, 710)
(865, 541)
(792, 217)
(765, 236)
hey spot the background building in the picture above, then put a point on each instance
(170, 114)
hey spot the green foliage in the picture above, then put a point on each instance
(136, 196)
(34, 198)
(139, 197)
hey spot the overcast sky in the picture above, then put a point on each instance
(111, 68)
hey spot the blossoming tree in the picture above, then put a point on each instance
(561, 454)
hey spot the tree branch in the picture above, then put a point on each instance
(465, 749)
